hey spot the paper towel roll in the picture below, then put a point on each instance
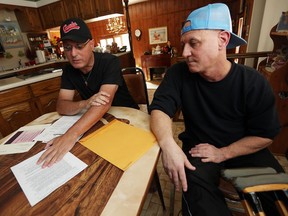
(41, 56)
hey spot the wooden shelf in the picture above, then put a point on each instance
(278, 81)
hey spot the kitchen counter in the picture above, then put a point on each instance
(17, 71)
(20, 77)
(13, 82)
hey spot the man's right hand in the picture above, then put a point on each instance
(174, 162)
(56, 149)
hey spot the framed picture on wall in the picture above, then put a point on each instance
(158, 35)
(10, 35)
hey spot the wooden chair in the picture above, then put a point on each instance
(248, 182)
(136, 83)
(238, 184)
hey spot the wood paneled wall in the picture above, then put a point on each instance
(156, 13)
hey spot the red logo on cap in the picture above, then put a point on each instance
(71, 26)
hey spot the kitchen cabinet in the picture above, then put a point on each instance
(87, 9)
(28, 19)
(46, 17)
(16, 109)
(46, 93)
(72, 8)
(21, 105)
(94, 8)
(9, 7)
(52, 15)
(108, 7)
(58, 13)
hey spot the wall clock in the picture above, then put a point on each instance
(138, 34)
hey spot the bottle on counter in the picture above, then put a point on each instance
(40, 56)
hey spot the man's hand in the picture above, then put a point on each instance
(56, 149)
(174, 162)
(174, 159)
(207, 153)
(101, 98)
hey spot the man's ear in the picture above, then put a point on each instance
(92, 43)
(224, 37)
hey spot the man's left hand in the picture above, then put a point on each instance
(207, 153)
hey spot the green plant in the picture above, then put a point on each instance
(21, 53)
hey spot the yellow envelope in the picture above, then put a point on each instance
(119, 143)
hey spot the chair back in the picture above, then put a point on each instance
(136, 84)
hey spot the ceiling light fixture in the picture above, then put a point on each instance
(115, 25)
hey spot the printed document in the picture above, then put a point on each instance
(58, 128)
(37, 183)
(21, 140)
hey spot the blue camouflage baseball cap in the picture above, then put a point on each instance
(213, 16)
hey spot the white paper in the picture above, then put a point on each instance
(37, 183)
(21, 140)
(58, 128)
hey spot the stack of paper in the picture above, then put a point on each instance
(58, 128)
(21, 140)
(37, 183)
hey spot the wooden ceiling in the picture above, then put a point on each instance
(130, 1)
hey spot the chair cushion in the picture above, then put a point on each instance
(265, 179)
(230, 174)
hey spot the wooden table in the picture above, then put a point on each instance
(154, 61)
(82, 194)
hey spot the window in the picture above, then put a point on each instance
(121, 40)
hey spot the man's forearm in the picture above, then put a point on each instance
(245, 146)
(67, 107)
(89, 118)
(161, 126)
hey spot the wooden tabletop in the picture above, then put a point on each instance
(101, 189)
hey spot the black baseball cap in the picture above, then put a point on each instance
(75, 29)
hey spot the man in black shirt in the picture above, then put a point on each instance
(98, 79)
(228, 109)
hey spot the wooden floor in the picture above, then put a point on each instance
(152, 206)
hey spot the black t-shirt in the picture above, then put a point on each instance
(106, 70)
(219, 113)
